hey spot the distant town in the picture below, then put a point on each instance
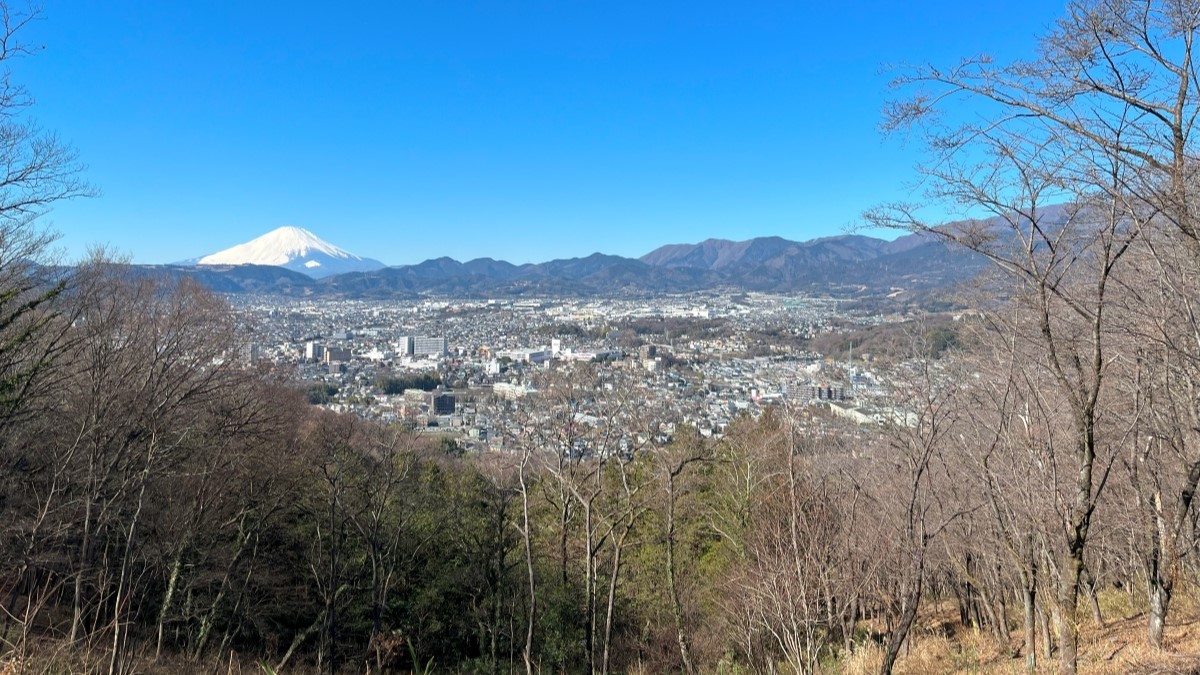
(454, 367)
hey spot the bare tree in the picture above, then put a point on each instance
(673, 465)
(37, 170)
(1073, 128)
(1159, 371)
(804, 569)
(910, 491)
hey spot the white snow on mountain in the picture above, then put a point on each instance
(296, 249)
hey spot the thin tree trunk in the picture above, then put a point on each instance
(589, 591)
(334, 581)
(908, 614)
(1093, 599)
(672, 586)
(114, 663)
(527, 535)
(168, 597)
(300, 639)
(1029, 600)
(618, 545)
(206, 621)
(1047, 640)
(84, 563)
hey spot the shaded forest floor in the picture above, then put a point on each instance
(1119, 647)
(941, 645)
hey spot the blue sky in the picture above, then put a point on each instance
(517, 130)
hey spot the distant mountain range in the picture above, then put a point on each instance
(294, 262)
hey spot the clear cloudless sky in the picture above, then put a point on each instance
(520, 130)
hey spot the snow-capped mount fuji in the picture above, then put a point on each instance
(293, 248)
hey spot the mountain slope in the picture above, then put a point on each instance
(295, 249)
(723, 254)
(269, 279)
(845, 264)
(716, 254)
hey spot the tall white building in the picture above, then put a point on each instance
(313, 351)
(429, 346)
(405, 345)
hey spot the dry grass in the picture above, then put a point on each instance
(1120, 647)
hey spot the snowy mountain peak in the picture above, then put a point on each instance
(277, 247)
(294, 248)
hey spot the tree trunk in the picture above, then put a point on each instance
(672, 586)
(114, 664)
(618, 544)
(1160, 603)
(168, 597)
(1047, 640)
(1029, 600)
(527, 536)
(589, 591)
(1161, 577)
(899, 635)
(299, 640)
(84, 562)
(332, 585)
(1067, 611)
(1089, 583)
(207, 620)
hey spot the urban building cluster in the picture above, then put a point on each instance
(479, 370)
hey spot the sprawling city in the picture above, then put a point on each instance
(468, 359)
